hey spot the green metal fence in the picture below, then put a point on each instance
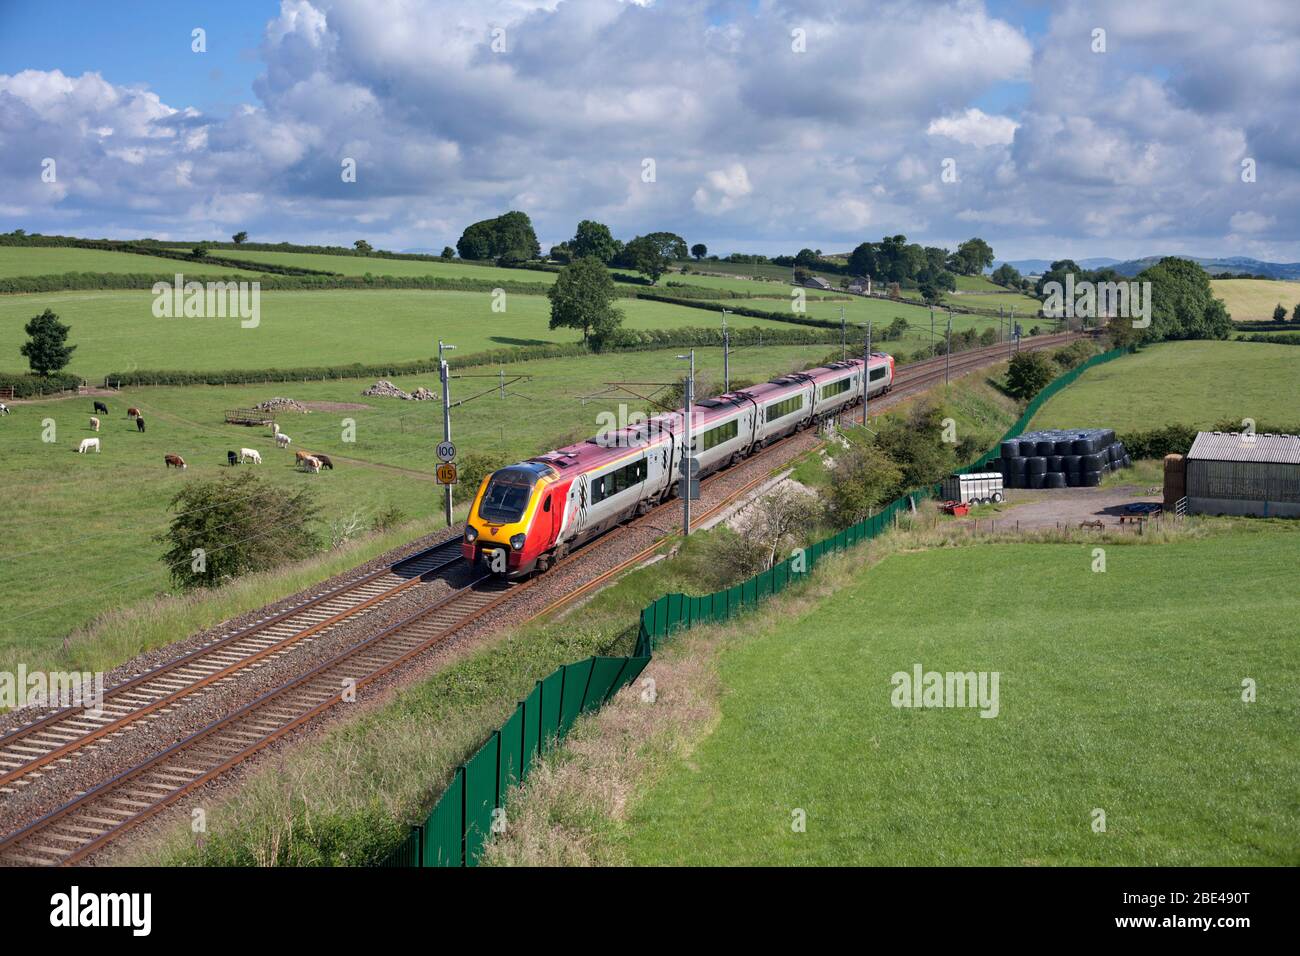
(460, 824)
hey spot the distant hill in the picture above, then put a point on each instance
(1231, 264)
(1039, 266)
(1130, 267)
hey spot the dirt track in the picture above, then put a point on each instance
(1065, 506)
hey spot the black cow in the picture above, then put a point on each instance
(232, 458)
(101, 407)
(324, 461)
(139, 423)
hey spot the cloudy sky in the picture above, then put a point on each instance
(771, 124)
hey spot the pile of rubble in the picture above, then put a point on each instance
(386, 389)
(281, 405)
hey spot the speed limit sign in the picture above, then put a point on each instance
(445, 451)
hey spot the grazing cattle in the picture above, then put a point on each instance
(139, 423)
(311, 463)
(133, 412)
(282, 440)
(232, 458)
(325, 461)
(100, 408)
(4, 409)
(94, 423)
(173, 461)
(250, 454)
(275, 428)
(87, 444)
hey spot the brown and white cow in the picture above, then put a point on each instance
(173, 461)
(94, 423)
(133, 412)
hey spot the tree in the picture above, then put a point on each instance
(363, 247)
(1029, 374)
(199, 251)
(508, 237)
(652, 254)
(1183, 305)
(916, 444)
(699, 250)
(806, 257)
(862, 261)
(863, 478)
(1295, 313)
(448, 252)
(229, 526)
(593, 239)
(1279, 313)
(1007, 275)
(930, 293)
(583, 298)
(239, 237)
(777, 521)
(972, 257)
(45, 348)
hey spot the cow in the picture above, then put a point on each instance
(250, 454)
(232, 458)
(301, 456)
(173, 461)
(87, 444)
(282, 440)
(139, 423)
(325, 461)
(4, 409)
(100, 408)
(133, 412)
(311, 463)
(94, 423)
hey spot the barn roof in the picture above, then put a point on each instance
(1232, 446)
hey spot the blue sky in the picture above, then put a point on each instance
(1057, 148)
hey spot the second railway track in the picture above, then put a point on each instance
(62, 733)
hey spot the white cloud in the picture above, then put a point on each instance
(1250, 221)
(723, 189)
(974, 127)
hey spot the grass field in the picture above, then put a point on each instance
(1026, 308)
(1117, 690)
(117, 331)
(54, 260)
(86, 545)
(360, 265)
(1253, 300)
(1189, 383)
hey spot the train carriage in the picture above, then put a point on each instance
(527, 516)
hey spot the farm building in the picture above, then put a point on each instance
(1232, 474)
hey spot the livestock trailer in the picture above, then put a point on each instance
(1244, 474)
(977, 488)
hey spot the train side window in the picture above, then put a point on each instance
(546, 505)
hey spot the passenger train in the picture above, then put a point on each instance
(527, 516)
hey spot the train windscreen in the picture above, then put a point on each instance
(507, 496)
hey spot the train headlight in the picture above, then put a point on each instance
(470, 533)
(517, 542)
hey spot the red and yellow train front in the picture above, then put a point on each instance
(515, 519)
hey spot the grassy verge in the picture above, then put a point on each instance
(1119, 690)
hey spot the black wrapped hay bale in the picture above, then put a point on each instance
(1035, 465)
(1071, 462)
(1074, 478)
(1035, 480)
(1054, 479)
(1010, 449)
(1054, 463)
(1091, 479)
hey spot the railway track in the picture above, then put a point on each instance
(63, 733)
(90, 821)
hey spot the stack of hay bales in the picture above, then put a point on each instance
(1057, 458)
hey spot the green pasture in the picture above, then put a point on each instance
(55, 260)
(1118, 691)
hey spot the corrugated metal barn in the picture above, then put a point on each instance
(1234, 474)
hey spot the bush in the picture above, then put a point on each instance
(1029, 374)
(228, 526)
(34, 386)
